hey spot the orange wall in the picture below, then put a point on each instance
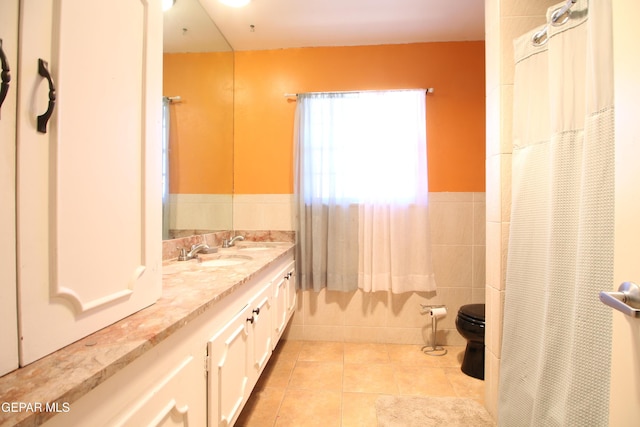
(263, 131)
(201, 141)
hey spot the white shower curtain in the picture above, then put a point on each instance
(555, 356)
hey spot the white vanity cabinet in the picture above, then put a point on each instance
(164, 387)
(284, 300)
(260, 329)
(238, 353)
(88, 167)
(201, 375)
(8, 60)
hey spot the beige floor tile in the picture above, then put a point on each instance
(464, 385)
(310, 408)
(277, 373)
(452, 358)
(365, 353)
(423, 381)
(329, 384)
(410, 354)
(322, 351)
(415, 355)
(359, 409)
(369, 378)
(262, 409)
(287, 350)
(317, 376)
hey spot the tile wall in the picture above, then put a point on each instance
(504, 21)
(458, 239)
(200, 211)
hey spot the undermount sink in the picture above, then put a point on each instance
(225, 260)
(256, 247)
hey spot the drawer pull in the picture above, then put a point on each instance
(43, 119)
(5, 76)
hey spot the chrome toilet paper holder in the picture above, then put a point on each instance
(433, 349)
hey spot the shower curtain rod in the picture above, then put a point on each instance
(174, 98)
(540, 37)
(289, 95)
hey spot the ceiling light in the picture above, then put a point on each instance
(168, 4)
(235, 3)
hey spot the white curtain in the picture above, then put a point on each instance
(362, 193)
(555, 358)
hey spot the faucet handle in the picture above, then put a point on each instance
(183, 255)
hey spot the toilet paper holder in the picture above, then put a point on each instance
(435, 312)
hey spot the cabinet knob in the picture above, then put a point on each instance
(250, 319)
(257, 310)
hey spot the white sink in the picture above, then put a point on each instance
(225, 260)
(256, 247)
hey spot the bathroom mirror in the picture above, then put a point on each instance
(198, 93)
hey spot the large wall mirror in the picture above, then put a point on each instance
(198, 97)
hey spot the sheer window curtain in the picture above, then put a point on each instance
(166, 121)
(362, 192)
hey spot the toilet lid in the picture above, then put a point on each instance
(474, 311)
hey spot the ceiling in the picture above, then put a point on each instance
(276, 24)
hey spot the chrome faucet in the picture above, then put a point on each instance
(193, 253)
(230, 242)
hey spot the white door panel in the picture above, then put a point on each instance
(89, 250)
(8, 315)
(625, 362)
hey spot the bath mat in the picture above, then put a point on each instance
(413, 411)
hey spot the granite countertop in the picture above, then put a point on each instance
(189, 289)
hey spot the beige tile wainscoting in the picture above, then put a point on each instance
(458, 239)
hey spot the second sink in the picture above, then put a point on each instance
(225, 260)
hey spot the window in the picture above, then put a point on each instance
(364, 147)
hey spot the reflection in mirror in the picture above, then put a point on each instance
(198, 77)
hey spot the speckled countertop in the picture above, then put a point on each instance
(189, 289)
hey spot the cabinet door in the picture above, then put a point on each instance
(279, 307)
(261, 330)
(8, 314)
(173, 401)
(89, 202)
(284, 300)
(230, 370)
(291, 290)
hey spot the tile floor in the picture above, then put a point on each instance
(309, 383)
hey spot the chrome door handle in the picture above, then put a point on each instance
(626, 300)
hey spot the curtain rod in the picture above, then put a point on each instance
(288, 95)
(173, 98)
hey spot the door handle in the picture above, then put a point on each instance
(626, 300)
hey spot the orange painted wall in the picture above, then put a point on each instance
(201, 131)
(263, 131)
